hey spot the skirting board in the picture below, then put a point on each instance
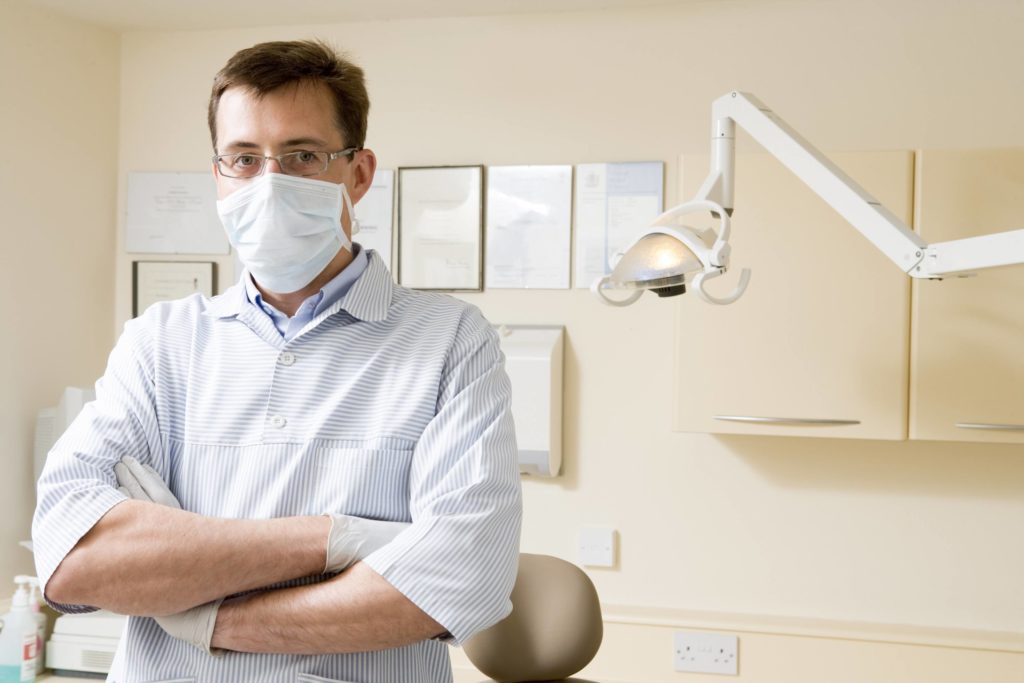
(903, 634)
(638, 647)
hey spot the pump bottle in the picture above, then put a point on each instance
(18, 640)
(35, 607)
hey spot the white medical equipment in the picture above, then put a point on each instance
(669, 255)
(51, 423)
(533, 361)
(84, 643)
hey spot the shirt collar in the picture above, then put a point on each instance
(322, 300)
(367, 299)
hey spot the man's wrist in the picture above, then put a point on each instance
(223, 628)
(320, 528)
(308, 537)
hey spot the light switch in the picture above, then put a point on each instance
(597, 547)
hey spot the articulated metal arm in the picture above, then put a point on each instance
(879, 225)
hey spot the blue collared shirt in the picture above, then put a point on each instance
(315, 304)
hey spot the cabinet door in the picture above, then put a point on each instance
(822, 333)
(967, 359)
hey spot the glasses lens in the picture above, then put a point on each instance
(240, 165)
(304, 163)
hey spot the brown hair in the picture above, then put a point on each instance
(265, 67)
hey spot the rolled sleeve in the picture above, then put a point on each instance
(458, 560)
(77, 485)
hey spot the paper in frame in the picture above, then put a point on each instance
(529, 227)
(614, 203)
(173, 213)
(440, 227)
(155, 281)
(375, 212)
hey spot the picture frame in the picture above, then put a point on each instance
(441, 228)
(154, 281)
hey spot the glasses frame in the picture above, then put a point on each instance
(331, 156)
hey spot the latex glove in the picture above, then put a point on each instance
(195, 626)
(354, 538)
(142, 482)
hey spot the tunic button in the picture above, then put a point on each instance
(278, 421)
(287, 358)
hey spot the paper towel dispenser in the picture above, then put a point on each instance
(533, 360)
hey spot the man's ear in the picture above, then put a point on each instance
(362, 174)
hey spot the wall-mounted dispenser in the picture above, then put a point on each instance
(533, 360)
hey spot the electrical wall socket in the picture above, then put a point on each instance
(597, 547)
(707, 653)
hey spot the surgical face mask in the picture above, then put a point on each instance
(286, 229)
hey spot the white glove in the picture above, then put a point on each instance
(354, 538)
(195, 626)
(142, 482)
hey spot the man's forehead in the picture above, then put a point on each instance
(290, 114)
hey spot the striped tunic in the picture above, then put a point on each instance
(391, 404)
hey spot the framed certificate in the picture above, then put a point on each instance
(440, 227)
(173, 213)
(167, 280)
(529, 223)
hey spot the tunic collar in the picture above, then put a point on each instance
(368, 299)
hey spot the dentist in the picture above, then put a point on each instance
(315, 418)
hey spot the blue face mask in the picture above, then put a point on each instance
(286, 229)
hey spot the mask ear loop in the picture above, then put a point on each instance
(353, 221)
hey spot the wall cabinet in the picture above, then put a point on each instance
(827, 341)
(819, 344)
(967, 357)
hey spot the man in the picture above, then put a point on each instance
(293, 417)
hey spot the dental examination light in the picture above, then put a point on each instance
(668, 255)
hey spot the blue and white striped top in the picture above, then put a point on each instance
(391, 404)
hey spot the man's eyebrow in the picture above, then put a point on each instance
(295, 142)
(241, 144)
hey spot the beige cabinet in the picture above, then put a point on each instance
(819, 344)
(967, 360)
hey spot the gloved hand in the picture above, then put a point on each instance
(195, 626)
(142, 482)
(355, 538)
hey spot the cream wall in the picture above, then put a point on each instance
(827, 541)
(58, 165)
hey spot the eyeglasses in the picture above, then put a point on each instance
(301, 163)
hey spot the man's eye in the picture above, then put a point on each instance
(243, 160)
(304, 157)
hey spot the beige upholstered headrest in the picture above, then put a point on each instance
(554, 630)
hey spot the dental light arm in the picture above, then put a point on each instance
(879, 225)
(887, 232)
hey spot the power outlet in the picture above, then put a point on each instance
(707, 653)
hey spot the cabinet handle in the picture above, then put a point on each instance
(793, 421)
(989, 426)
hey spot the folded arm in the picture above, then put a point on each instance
(353, 612)
(147, 559)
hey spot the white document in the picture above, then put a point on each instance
(529, 223)
(375, 212)
(440, 230)
(173, 213)
(170, 280)
(614, 202)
